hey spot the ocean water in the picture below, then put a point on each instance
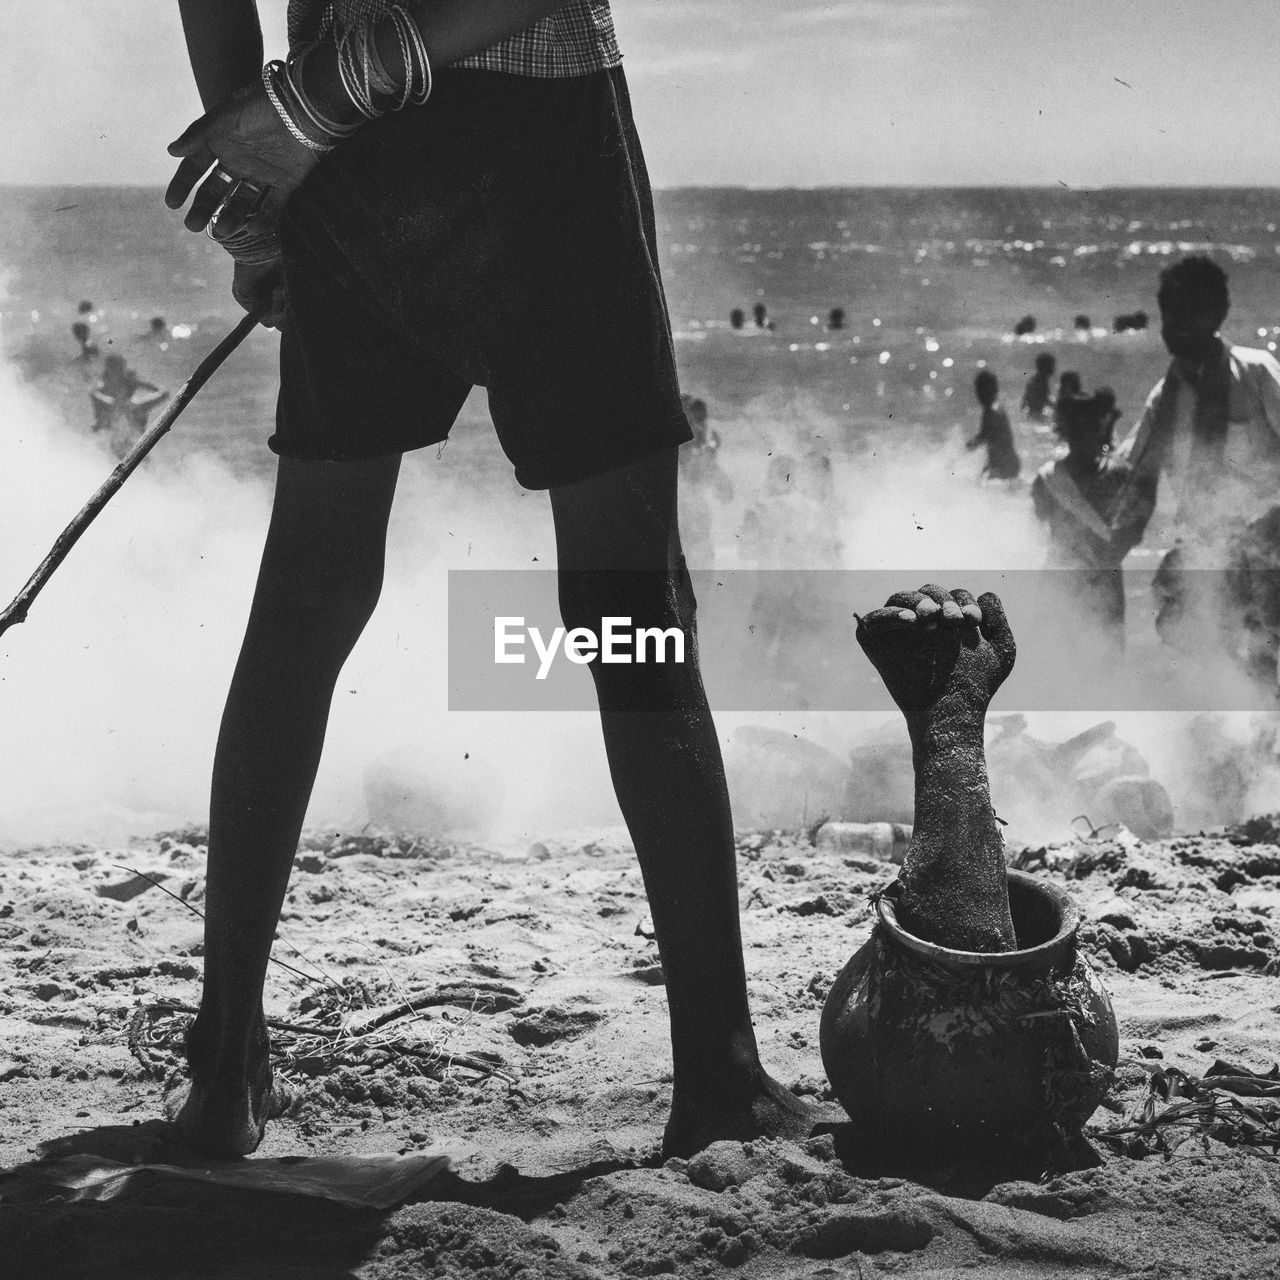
(931, 281)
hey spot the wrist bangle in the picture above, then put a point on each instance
(369, 85)
(414, 51)
(252, 248)
(293, 83)
(273, 69)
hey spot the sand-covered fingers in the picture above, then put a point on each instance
(934, 642)
(929, 607)
(994, 627)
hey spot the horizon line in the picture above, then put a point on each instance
(786, 187)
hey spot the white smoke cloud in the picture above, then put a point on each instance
(111, 691)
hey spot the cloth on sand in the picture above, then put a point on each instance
(360, 1181)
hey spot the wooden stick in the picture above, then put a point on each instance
(17, 609)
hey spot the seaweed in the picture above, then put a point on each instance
(343, 1031)
(1202, 1107)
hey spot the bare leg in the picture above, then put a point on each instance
(319, 580)
(942, 656)
(619, 555)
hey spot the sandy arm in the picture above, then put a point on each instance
(942, 655)
(953, 882)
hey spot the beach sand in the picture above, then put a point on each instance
(542, 1070)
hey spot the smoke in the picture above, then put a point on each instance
(912, 509)
(111, 691)
(108, 691)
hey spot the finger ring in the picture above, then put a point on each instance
(259, 195)
(223, 176)
(241, 202)
(211, 227)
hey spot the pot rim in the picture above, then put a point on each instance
(1043, 953)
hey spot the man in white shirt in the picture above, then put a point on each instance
(1211, 428)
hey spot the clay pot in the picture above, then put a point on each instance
(935, 1051)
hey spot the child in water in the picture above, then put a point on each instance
(994, 431)
(1079, 498)
(1069, 386)
(117, 406)
(1037, 395)
(82, 331)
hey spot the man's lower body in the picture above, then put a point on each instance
(1199, 611)
(576, 355)
(618, 551)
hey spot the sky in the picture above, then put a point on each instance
(764, 93)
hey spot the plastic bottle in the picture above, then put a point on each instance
(887, 841)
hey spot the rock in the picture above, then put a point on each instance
(540, 1027)
(1261, 902)
(880, 786)
(1224, 956)
(127, 890)
(721, 1165)
(1116, 912)
(852, 1231)
(1139, 803)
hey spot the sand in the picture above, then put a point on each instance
(537, 962)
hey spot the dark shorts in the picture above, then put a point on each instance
(500, 236)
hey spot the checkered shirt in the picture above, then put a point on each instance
(572, 41)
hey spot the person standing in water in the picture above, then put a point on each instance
(994, 430)
(82, 331)
(117, 405)
(482, 155)
(1078, 499)
(1037, 395)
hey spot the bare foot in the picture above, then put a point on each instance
(225, 1114)
(942, 656)
(771, 1112)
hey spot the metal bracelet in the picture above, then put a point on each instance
(269, 73)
